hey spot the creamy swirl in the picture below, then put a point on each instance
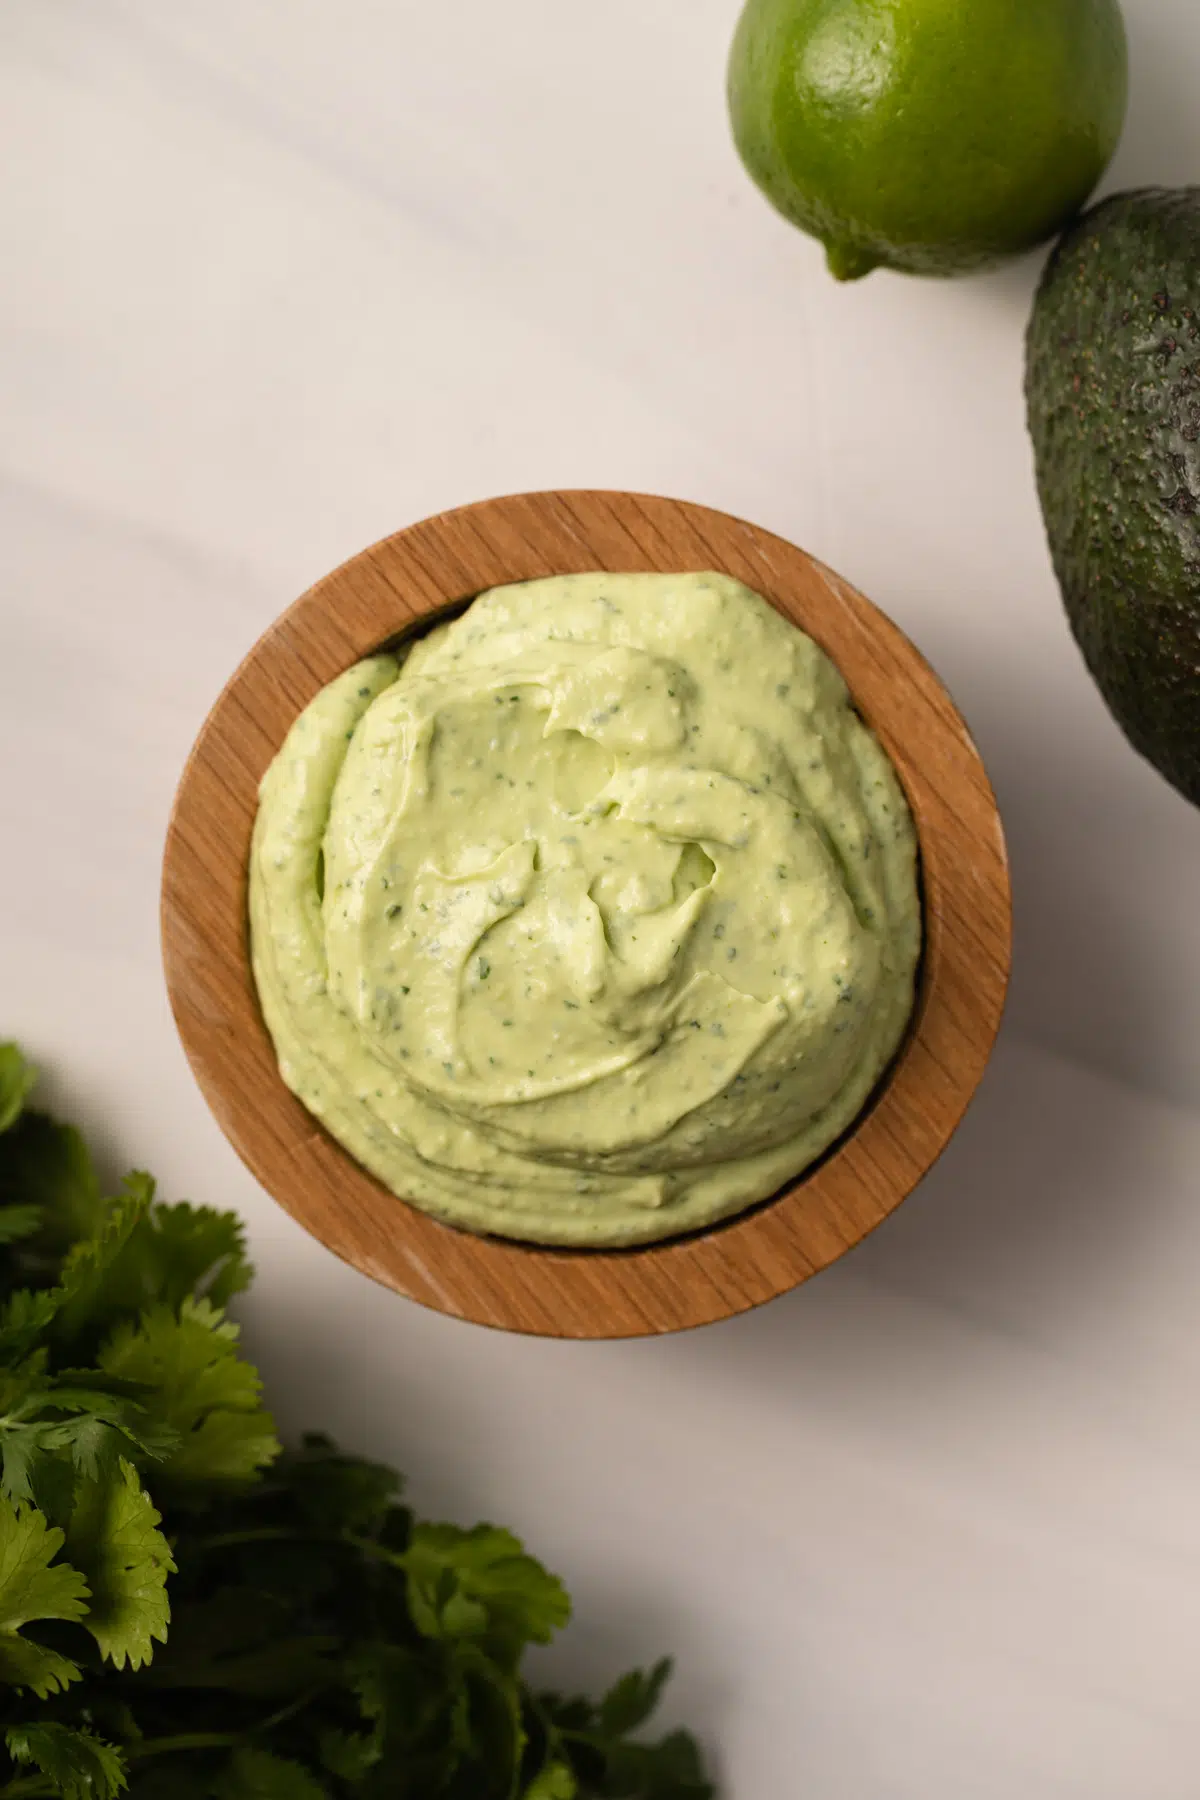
(596, 918)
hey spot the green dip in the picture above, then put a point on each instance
(594, 918)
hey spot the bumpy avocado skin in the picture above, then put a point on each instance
(1113, 392)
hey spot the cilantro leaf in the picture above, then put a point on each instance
(243, 1641)
(334, 1492)
(17, 1222)
(444, 1723)
(258, 1775)
(54, 1480)
(198, 1389)
(24, 1317)
(396, 1701)
(68, 1309)
(481, 1584)
(594, 1740)
(27, 1450)
(33, 1587)
(175, 1253)
(554, 1782)
(84, 1298)
(113, 1536)
(44, 1417)
(45, 1164)
(27, 1664)
(92, 1287)
(101, 1426)
(193, 1251)
(486, 1719)
(668, 1770)
(79, 1765)
(134, 1254)
(17, 1079)
(631, 1700)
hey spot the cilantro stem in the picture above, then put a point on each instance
(282, 1534)
(265, 1534)
(550, 1731)
(186, 1740)
(217, 1740)
(286, 1712)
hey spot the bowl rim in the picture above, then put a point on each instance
(392, 588)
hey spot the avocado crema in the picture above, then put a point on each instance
(594, 918)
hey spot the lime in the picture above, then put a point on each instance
(936, 136)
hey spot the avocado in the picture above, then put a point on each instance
(1112, 386)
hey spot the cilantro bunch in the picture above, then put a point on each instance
(187, 1612)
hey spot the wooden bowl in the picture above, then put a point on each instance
(688, 1281)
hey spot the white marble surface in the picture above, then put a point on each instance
(280, 277)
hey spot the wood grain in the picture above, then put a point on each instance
(590, 1293)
